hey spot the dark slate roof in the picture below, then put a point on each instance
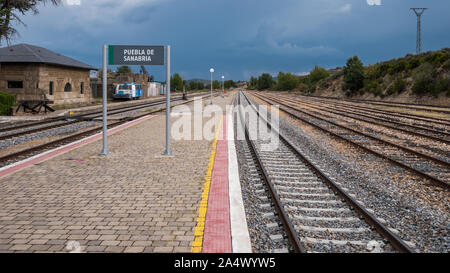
(24, 53)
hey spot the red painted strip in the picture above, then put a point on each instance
(61, 150)
(217, 234)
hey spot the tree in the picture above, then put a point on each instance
(176, 82)
(287, 81)
(10, 10)
(216, 85)
(124, 70)
(253, 83)
(353, 75)
(265, 81)
(229, 84)
(193, 85)
(318, 74)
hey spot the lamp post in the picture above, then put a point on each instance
(223, 86)
(212, 71)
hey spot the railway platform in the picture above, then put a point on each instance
(134, 200)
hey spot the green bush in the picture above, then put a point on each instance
(399, 85)
(381, 70)
(442, 85)
(440, 57)
(446, 65)
(287, 81)
(423, 86)
(318, 74)
(413, 63)
(311, 88)
(425, 72)
(397, 67)
(6, 102)
(373, 87)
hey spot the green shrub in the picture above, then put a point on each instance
(287, 81)
(446, 65)
(370, 72)
(397, 67)
(390, 91)
(381, 70)
(413, 63)
(442, 85)
(311, 88)
(423, 86)
(318, 74)
(399, 85)
(373, 86)
(440, 57)
(425, 72)
(6, 102)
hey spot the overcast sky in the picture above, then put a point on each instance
(241, 38)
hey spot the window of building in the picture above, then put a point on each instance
(68, 87)
(82, 88)
(50, 88)
(15, 84)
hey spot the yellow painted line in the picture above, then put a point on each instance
(200, 227)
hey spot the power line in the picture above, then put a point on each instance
(419, 12)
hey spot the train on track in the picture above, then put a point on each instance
(130, 91)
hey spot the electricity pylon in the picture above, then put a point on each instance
(419, 12)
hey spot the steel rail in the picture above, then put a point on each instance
(112, 112)
(371, 219)
(440, 121)
(433, 179)
(61, 141)
(393, 104)
(286, 222)
(81, 116)
(436, 160)
(342, 112)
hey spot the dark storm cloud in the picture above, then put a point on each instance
(242, 37)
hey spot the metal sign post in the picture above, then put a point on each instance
(167, 152)
(135, 55)
(105, 100)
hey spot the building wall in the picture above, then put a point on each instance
(36, 80)
(60, 76)
(27, 73)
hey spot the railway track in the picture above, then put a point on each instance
(413, 119)
(438, 135)
(418, 107)
(34, 127)
(34, 150)
(431, 168)
(316, 213)
(434, 148)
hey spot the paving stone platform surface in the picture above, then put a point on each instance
(133, 200)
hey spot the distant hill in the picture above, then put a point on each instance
(423, 78)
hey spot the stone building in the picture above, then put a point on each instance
(30, 72)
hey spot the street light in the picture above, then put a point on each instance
(223, 86)
(212, 71)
